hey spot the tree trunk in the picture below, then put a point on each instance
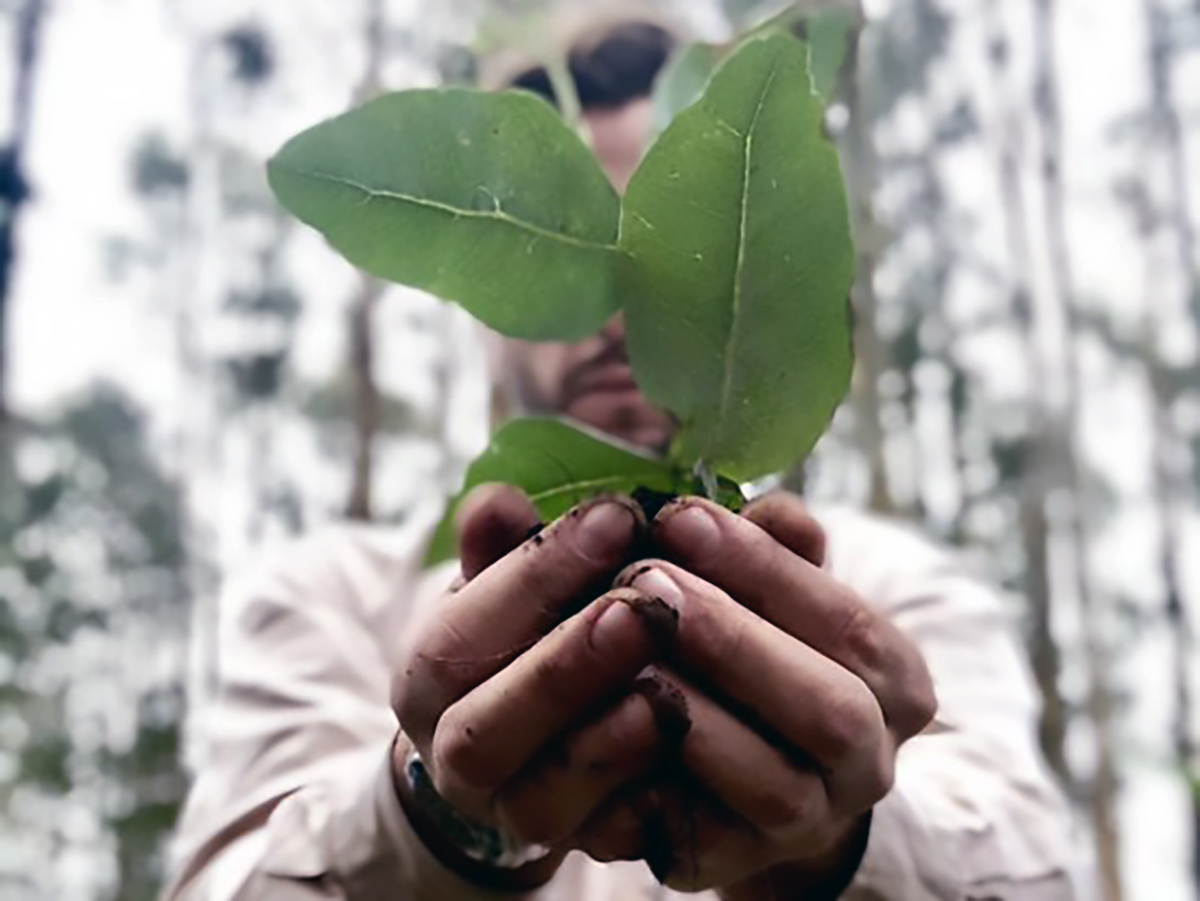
(1170, 486)
(1103, 794)
(1037, 476)
(362, 314)
(871, 363)
(1065, 419)
(14, 186)
(366, 398)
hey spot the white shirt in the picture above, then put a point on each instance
(296, 799)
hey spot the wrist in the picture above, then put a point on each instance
(477, 853)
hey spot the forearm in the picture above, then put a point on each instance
(342, 837)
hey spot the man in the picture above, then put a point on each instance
(617, 708)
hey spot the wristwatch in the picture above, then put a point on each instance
(479, 853)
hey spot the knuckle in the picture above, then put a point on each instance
(784, 812)
(884, 774)
(442, 660)
(413, 716)
(417, 709)
(460, 761)
(922, 704)
(859, 634)
(872, 783)
(868, 781)
(854, 720)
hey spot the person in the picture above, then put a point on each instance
(782, 704)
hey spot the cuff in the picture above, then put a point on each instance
(350, 831)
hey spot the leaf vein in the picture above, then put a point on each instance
(735, 323)
(729, 128)
(497, 215)
(579, 487)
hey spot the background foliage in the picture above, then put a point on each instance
(188, 379)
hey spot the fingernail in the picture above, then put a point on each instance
(659, 618)
(613, 626)
(669, 706)
(658, 584)
(693, 526)
(606, 529)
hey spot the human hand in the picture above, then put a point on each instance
(523, 719)
(798, 695)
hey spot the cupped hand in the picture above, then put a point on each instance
(796, 696)
(516, 693)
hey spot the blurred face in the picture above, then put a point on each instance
(591, 381)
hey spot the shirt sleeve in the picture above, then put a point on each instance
(974, 813)
(295, 800)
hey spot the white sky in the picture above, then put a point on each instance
(115, 69)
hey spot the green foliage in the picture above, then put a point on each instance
(488, 200)
(91, 561)
(733, 261)
(558, 465)
(739, 268)
(45, 762)
(827, 34)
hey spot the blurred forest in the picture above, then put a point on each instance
(1029, 389)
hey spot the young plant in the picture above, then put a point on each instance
(730, 255)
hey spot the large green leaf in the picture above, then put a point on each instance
(827, 34)
(559, 465)
(485, 199)
(738, 266)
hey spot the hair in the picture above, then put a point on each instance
(611, 70)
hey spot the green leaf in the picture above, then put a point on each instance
(828, 35)
(683, 81)
(559, 465)
(738, 267)
(485, 199)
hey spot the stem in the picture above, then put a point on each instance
(709, 480)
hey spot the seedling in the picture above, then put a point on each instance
(730, 255)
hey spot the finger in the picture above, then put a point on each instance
(768, 788)
(492, 521)
(508, 607)
(785, 688)
(688, 840)
(615, 831)
(783, 516)
(741, 558)
(486, 738)
(552, 798)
